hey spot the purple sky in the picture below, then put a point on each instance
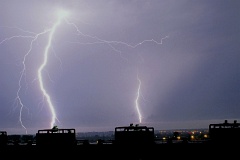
(185, 52)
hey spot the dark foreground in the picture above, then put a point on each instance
(110, 151)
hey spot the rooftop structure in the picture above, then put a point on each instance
(3, 138)
(56, 137)
(135, 135)
(225, 132)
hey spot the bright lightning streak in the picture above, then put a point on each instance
(46, 95)
(137, 99)
(110, 43)
(23, 72)
(61, 15)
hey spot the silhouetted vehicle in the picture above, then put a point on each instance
(225, 132)
(56, 137)
(134, 135)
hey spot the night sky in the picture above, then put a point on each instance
(179, 60)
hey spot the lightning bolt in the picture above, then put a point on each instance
(22, 75)
(62, 16)
(137, 100)
(18, 100)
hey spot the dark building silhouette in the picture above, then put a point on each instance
(56, 137)
(130, 142)
(225, 132)
(134, 135)
(3, 138)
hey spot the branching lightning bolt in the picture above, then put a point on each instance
(40, 79)
(23, 72)
(51, 31)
